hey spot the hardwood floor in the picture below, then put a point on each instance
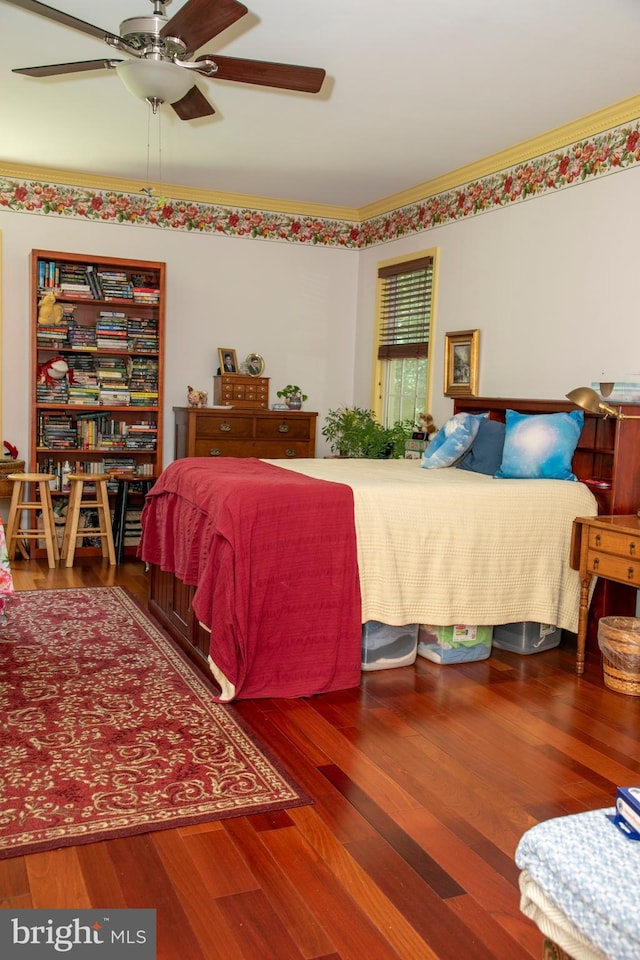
(424, 779)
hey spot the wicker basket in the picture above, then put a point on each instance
(7, 467)
(619, 642)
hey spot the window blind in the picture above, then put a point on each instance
(405, 309)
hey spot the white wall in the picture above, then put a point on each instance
(551, 283)
(292, 304)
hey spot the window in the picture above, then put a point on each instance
(405, 298)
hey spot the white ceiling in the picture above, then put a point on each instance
(414, 89)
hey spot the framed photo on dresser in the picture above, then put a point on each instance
(228, 360)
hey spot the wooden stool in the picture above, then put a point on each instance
(15, 534)
(78, 502)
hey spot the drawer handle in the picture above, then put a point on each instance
(290, 453)
(596, 563)
(215, 452)
(630, 573)
(632, 548)
(283, 427)
(597, 539)
(225, 426)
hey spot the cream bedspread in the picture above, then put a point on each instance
(450, 546)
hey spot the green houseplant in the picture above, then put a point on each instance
(293, 396)
(355, 432)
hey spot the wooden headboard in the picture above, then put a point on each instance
(607, 458)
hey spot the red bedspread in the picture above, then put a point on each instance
(273, 554)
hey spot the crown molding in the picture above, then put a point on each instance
(612, 116)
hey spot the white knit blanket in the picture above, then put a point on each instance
(450, 546)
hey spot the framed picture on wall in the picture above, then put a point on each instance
(228, 360)
(461, 352)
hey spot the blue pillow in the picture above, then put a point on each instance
(540, 446)
(485, 455)
(451, 442)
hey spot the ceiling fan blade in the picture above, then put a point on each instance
(57, 69)
(200, 20)
(59, 17)
(287, 76)
(193, 105)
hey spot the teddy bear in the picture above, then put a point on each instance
(426, 425)
(197, 398)
(50, 312)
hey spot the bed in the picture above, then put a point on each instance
(267, 583)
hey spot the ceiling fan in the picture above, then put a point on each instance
(161, 69)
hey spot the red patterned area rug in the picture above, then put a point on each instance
(108, 731)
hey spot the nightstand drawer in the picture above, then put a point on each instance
(614, 568)
(612, 541)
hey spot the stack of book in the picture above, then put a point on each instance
(143, 382)
(113, 435)
(145, 289)
(84, 386)
(113, 379)
(115, 285)
(55, 392)
(141, 436)
(57, 431)
(143, 334)
(82, 338)
(111, 330)
(73, 282)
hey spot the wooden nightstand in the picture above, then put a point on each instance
(607, 547)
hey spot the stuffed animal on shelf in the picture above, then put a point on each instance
(197, 398)
(54, 370)
(50, 312)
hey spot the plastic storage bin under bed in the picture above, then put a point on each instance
(384, 647)
(526, 637)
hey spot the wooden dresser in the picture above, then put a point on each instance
(244, 432)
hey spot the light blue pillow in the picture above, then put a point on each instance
(540, 446)
(451, 442)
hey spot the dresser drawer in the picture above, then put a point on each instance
(612, 541)
(222, 427)
(291, 428)
(614, 568)
(220, 447)
(280, 449)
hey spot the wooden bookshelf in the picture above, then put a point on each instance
(107, 322)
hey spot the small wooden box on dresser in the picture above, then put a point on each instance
(244, 431)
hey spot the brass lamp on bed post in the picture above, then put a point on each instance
(589, 400)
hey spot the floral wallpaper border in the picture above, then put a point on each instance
(605, 153)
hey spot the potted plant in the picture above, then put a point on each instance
(293, 396)
(355, 432)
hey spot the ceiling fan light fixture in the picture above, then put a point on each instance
(158, 81)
